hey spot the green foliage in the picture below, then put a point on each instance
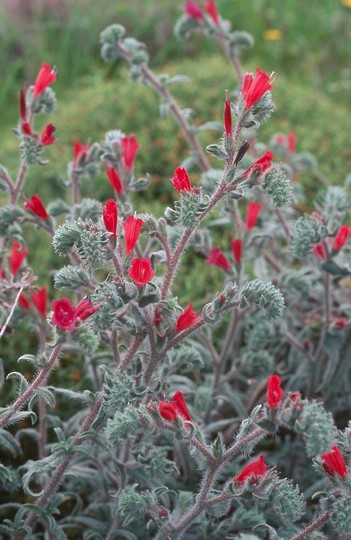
(263, 296)
(277, 185)
(341, 513)
(309, 230)
(317, 428)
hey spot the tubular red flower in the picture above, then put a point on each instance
(115, 180)
(333, 462)
(252, 212)
(274, 392)
(341, 237)
(23, 302)
(254, 469)
(64, 315)
(212, 10)
(17, 257)
(141, 271)
(110, 216)
(130, 147)
(237, 249)
(47, 138)
(261, 164)
(79, 152)
(254, 87)
(46, 76)
(193, 10)
(177, 407)
(181, 180)
(39, 300)
(217, 258)
(35, 205)
(84, 309)
(187, 318)
(181, 406)
(228, 123)
(132, 227)
(319, 251)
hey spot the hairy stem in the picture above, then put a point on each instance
(312, 527)
(35, 384)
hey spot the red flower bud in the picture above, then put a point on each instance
(333, 462)
(274, 392)
(254, 87)
(167, 411)
(252, 212)
(217, 258)
(26, 129)
(24, 302)
(130, 147)
(228, 123)
(141, 271)
(79, 152)
(39, 300)
(132, 227)
(47, 138)
(181, 406)
(64, 315)
(46, 76)
(110, 216)
(237, 249)
(261, 164)
(35, 205)
(177, 407)
(115, 180)
(255, 469)
(341, 237)
(319, 251)
(84, 309)
(212, 10)
(17, 257)
(187, 318)
(193, 10)
(181, 180)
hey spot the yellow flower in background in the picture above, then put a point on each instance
(274, 34)
(346, 3)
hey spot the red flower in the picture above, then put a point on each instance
(274, 392)
(141, 271)
(24, 302)
(64, 314)
(256, 469)
(130, 147)
(84, 309)
(35, 205)
(341, 237)
(22, 104)
(291, 142)
(212, 10)
(110, 216)
(252, 212)
(132, 227)
(333, 462)
(79, 152)
(181, 180)
(39, 300)
(115, 180)
(17, 257)
(254, 87)
(217, 258)
(193, 10)
(167, 411)
(228, 123)
(261, 164)
(237, 249)
(47, 138)
(177, 407)
(186, 319)
(319, 251)
(46, 76)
